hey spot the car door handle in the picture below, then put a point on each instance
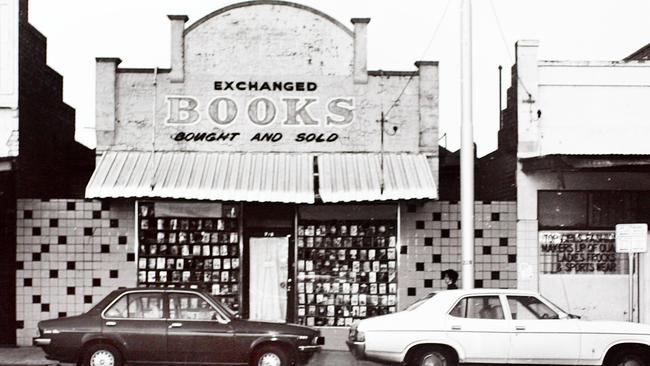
(455, 327)
(175, 325)
(520, 327)
(111, 324)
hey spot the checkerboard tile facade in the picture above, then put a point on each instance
(430, 243)
(70, 254)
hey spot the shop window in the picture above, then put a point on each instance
(347, 270)
(562, 209)
(193, 245)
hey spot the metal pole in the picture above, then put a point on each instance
(630, 256)
(466, 147)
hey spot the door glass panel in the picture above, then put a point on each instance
(529, 307)
(145, 306)
(478, 307)
(118, 310)
(191, 307)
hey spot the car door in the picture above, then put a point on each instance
(540, 336)
(135, 320)
(197, 331)
(478, 325)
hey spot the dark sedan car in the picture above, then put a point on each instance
(172, 326)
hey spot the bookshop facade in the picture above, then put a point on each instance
(268, 166)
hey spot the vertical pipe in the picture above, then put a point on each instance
(467, 148)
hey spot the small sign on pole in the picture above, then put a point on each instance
(631, 239)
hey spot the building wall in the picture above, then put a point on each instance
(70, 254)
(7, 257)
(8, 77)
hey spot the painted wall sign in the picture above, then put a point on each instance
(580, 252)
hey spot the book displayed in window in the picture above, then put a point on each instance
(347, 270)
(190, 252)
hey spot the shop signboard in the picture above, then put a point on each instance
(631, 238)
(580, 252)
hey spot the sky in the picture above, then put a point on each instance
(400, 33)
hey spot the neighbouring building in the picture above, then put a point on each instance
(573, 153)
(39, 157)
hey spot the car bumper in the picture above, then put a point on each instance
(358, 349)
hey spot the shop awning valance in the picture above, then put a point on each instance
(358, 177)
(262, 177)
(247, 177)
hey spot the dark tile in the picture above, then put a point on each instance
(487, 250)
(54, 222)
(403, 249)
(437, 216)
(113, 273)
(36, 257)
(21, 264)
(62, 314)
(20, 324)
(36, 299)
(114, 223)
(130, 257)
(419, 224)
(428, 242)
(88, 299)
(410, 291)
(495, 216)
(503, 242)
(97, 214)
(444, 233)
(436, 258)
(97, 282)
(419, 266)
(487, 202)
(28, 214)
(71, 206)
(27, 282)
(71, 290)
(495, 275)
(45, 307)
(478, 233)
(478, 283)
(411, 208)
(458, 225)
(88, 231)
(62, 239)
(106, 206)
(512, 258)
(54, 273)
(71, 265)
(45, 248)
(105, 248)
(121, 240)
(36, 231)
(428, 283)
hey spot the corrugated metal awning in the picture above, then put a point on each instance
(248, 177)
(357, 177)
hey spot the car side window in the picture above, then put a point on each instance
(530, 307)
(191, 307)
(143, 305)
(478, 307)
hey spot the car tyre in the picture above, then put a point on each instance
(101, 354)
(270, 356)
(432, 357)
(627, 358)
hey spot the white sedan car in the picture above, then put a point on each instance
(496, 326)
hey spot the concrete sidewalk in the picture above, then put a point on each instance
(34, 356)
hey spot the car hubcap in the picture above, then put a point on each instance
(102, 358)
(433, 359)
(269, 359)
(631, 362)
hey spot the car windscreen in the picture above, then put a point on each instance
(420, 301)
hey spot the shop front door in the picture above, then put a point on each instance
(268, 278)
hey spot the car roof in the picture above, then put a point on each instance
(157, 289)
(491, 291)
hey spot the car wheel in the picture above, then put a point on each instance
(102, 355)
(270, 356)
(432, 357)
(627, 358)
